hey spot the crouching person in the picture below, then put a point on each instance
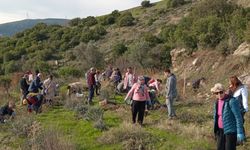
(139, 95)
(34, 102)
(228, 124)
(7, 111)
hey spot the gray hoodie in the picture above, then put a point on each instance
(171, 90)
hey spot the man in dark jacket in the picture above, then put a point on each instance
(7, 110)
(91, 84)
(24, 86)
(36, 84)
(171, 92)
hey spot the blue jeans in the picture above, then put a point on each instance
(91, 93)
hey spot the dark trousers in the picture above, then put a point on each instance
(38, 103)
(226, 142)
(243, 119)
(1, 119)
(138, 107)
(91, 93)
(97, 88)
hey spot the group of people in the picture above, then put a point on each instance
(35, 92)
(141, 91)
(229, 110)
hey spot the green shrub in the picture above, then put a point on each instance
(174, 3)
(11, 66)
(184, 35)
(100, 30)
(69, 72)
(138, 53)
(247, 33)
(44, 55)
(150, 21)
(145, 3)
(75, 22)
(151, 39)
(208, 31)
(89, 21)
(219, 8)
(119, 49)
(89, 56)
(223, 48)
(115, 13)
(42, 66)
(89, 35)
(126, 19)
(108, 20)
(167, 33)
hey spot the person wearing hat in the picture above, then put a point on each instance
(228, 124)
(139, 95)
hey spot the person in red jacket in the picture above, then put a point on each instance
(91, 84)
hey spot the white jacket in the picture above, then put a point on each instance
(242, 91)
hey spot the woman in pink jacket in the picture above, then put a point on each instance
(139, 95)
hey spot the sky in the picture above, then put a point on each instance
(13, 10)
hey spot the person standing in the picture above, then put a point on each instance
(171, 92)
(129, 79)
(36, 84)
(24, 86)
(91, 84)
(98, 78)
(139, 95)
(239, 91)
(228, 124)
(119, 74)
(49, 89)
(108, 72)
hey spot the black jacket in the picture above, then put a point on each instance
(24, 85)
(5, 110)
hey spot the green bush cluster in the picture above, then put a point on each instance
(145, 3)
(126, 19)
(211, 24)
(174, 3)
(89, 21)
(110, 19)
(119, 49)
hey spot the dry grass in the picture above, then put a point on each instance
(187, 130)
(132, 137)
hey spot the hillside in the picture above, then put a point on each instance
(11, 28)
(195, 38)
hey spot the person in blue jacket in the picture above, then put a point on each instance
(228, 124)
(36, 84)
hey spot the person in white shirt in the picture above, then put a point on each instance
(98, 79)
(239, 91)
(49, 89)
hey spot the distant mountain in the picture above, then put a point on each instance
(9, 29)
